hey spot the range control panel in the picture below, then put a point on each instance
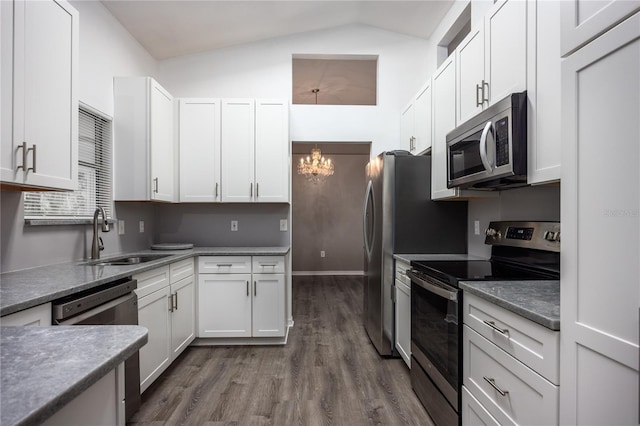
(535, 235)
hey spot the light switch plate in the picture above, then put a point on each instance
(234, 225)
(283, 225)
(121, 227)
(476, 227)
(141, 226)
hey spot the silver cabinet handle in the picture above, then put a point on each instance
(247, 288)
(251, 190)
(492, 382)
(479, 89)
(33, 149)
(255, 288)
(155, 185)
(266, 265)
(485, 96)
(492, 324)
(176, 305)
(23, 146)
(257, 189)
(170, 297)
(222, 265)
(216, 189)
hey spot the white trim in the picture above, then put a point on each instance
(297, 273)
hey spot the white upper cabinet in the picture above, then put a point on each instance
(415, 122)
(470, 76)
(584, 20)
(39, 125)
(238, 149)
(505, 50)
(255, 150)
(143, 140)
(199, 139)
(272, 165)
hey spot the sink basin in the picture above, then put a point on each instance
(127, 260)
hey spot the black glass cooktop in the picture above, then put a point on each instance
(452, 271)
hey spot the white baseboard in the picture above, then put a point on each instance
(327, 273)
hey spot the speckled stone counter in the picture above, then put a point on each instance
(538, 301)
(44, 368)
(417, 257)
(31, 287)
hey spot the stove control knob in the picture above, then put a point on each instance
(490, 232)
(552, 236)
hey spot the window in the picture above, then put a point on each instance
(94, 176)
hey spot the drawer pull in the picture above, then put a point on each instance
(265, 265)
(496, 328)
(223, 265)
(492, 382)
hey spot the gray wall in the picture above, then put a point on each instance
(24, 247)
(328, 216)
(210, 224)
(528, 203)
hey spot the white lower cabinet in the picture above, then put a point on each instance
(37, 316)
(510, 365)
(403, 312)
(242, 304)
(166, 307)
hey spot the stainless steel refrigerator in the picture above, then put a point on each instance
(399, 217)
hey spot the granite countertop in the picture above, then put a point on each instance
(538, 301)
(44, 368)
(417, 257)
(31, 287)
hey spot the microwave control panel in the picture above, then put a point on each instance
(502, 141)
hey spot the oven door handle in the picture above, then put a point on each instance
(432, 288)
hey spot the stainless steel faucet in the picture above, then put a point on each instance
(98, 245)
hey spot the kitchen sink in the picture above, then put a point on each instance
(127, 260)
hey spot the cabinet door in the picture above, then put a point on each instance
(584, 20)
(45, 104)
(601, 191)
(470, 76)
(199, 150)
(272, 166)
(403, 321)
(506, 49)
(224, 305)
(238, 149)
(161, 143)
(155, 356)
(444, 120)
(38, 316)
(8, 158)
(268, 305)
(422, 120)
(406, 128)
(473, 413)
(183, 317)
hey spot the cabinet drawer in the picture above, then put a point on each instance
(268, 264)
(401, 272)
(528, 397)
(152, 280)
(180, 270)
(473, 413)
(224, 264)
(535, 345)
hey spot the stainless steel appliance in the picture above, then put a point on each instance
(399, 217)
(114, 303)
(521, 251)
(489, 151)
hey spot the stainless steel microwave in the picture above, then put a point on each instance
(489, 151)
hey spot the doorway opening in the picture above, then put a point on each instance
(326, 216)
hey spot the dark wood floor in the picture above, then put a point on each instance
(327, 374)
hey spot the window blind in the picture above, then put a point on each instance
(94, 176)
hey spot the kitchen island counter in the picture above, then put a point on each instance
(45, 368)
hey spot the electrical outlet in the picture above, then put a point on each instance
(322, 253)
(141, 223)
(121, 227)
(234, 225)
(283, 225)
(476, 227)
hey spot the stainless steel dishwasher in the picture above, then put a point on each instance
(114, 303)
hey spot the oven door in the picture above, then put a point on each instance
(435, 335)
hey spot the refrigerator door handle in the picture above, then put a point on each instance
(368, 236)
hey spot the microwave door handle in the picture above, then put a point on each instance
(483, 146)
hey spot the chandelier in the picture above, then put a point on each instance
(315, 168)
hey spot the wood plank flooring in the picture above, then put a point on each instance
(329, 373)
